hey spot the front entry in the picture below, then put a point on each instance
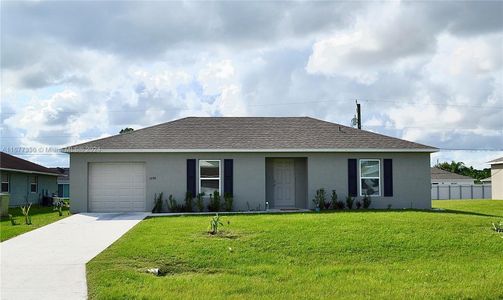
(284, 183)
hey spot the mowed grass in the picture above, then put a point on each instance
(40, 216)
(359, 254)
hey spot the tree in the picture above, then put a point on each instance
(127, 129)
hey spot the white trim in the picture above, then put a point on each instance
(219, 175)
(98, 150)
(496, 162)
(360, 175)
(28, 172)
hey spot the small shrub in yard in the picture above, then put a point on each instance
(320, 198)
(157, 203)
(333, 198)
(228, 200)
(200, 202)
(339, 205)
(214, 204)
(25, 210)
(214, 223)
(173, 206)
(349, 202)
(498, 226)
(366, 201)
(58, 206)
(13, 220)
(358, 204)
(188, 201)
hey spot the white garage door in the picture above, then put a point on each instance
(116, 187)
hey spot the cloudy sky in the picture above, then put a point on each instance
(423, 71)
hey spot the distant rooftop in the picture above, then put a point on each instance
(12, 163)
(437, 173)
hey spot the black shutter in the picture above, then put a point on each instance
(191, 176)
(352, 178)
(388, 178)
(228, 176)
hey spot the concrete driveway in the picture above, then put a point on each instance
(49, 262)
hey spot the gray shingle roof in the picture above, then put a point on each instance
(437, 173)
(496, 161)
(249, 133)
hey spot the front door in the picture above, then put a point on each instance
(284, 183)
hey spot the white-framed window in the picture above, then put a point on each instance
(209, 176)
(5, 183)
(33, 184)
(370, 177)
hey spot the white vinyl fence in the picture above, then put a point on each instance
(472, 191)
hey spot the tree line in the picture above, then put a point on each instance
(459, 167)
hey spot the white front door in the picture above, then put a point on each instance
(284, 183)
(116, 187)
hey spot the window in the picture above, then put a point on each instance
(63, 190)
(33, 184)
(5, 183)
(209, 176)
(370, 174)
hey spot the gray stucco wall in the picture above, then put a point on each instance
(411, 180)
(19, 187)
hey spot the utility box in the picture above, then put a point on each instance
(4, 204)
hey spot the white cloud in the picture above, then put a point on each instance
(431, 71)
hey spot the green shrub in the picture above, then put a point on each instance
(358, 204)
(498, 226)
(214, 223)
(13, 220)
(339, 205)
(228, 200)
(200, 202)
(157, 203)
(188, 201)
(320, 198)
(366, 201)
(349, 202)
(59, 205)
(333, 198)
(214, 204)
(172, 205)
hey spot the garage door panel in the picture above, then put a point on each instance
(115, 187)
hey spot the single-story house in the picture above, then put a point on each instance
(26, 181)
(63, 181)
(497, 178)
(278, 160)
(443, 177)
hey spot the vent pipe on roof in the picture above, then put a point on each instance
(358, 115)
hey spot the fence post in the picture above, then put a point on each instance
(449, 191)
(471, 191)
(483, 192)
(460, 192)
(438, 192)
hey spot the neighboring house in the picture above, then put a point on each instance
(282, 161)
(63, 181)
(486, 180)
(443, 177)
(25, 181)
(497, 178)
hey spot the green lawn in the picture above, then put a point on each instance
(40, 216)
(366, 254)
